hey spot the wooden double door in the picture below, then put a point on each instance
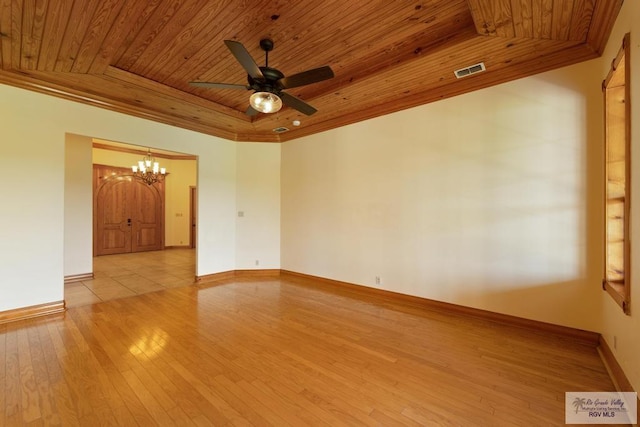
(128, 214)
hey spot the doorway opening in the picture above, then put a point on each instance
(144, 242)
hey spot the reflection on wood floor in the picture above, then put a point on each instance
(284, 351)
(125, 275)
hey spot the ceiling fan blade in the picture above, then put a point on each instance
(218, 85)
(252, 111)
(297, 103)
(244, 58)
(307, 77)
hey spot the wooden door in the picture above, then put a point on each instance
(128, 214)
(113, 215)
(147, 216)
(193, 208)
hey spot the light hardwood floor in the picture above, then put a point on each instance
(287, 351)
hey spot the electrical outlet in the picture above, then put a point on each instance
(257, 262)
(377, 280)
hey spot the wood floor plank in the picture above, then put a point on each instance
(179, 417)
(3, 373)
(120, 399)
(158, 414)
(258, 392)
(190, 401)
(54, 351)
(46, 398)
(249, 409)
(393, 420)
(228, 413)
(12, 386)
(30, 404)
(187, 399)
(302, 407)
(284, 352)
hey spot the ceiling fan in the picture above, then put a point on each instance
(269, 83)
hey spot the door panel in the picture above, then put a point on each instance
(148, 218)
(113, 206)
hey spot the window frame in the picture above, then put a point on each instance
(618, 289)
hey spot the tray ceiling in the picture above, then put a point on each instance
(138, 57)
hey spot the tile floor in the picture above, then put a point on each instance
(124, 275)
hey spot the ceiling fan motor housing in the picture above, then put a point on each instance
(270, 81)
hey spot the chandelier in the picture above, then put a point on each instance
(148, 170)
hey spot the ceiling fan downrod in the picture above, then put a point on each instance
(267, 46)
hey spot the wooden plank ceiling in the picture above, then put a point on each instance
(137, 57)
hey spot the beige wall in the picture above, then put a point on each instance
(489, 200)
(78, 206)
(182, 175)
(32, 219)
(619, 328)
(258, 203)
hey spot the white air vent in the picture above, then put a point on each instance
(280, 129)
(473, 69)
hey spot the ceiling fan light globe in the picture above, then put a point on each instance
(265, 102)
